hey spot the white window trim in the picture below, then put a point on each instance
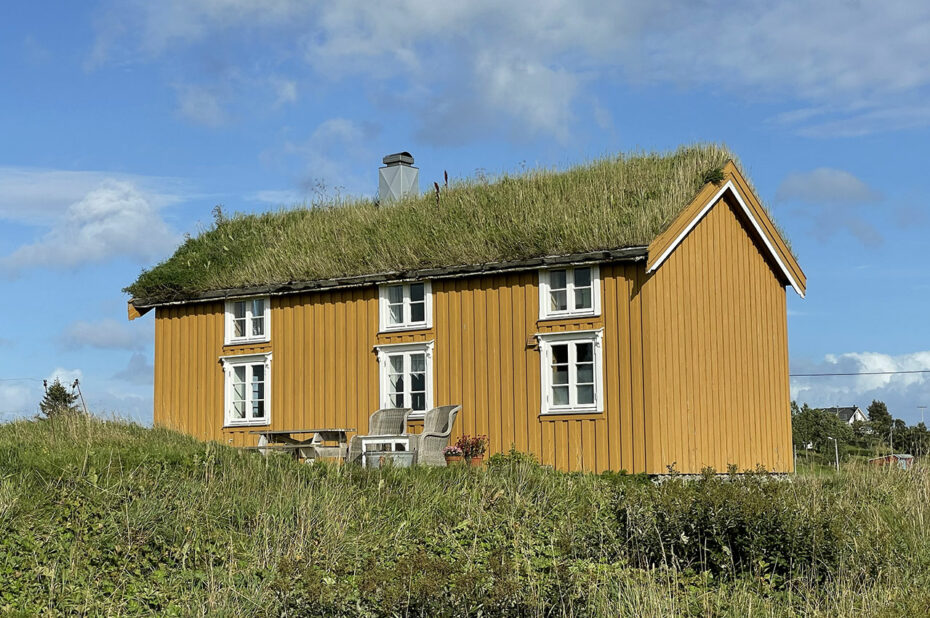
(544, 287)
(545, 365)
(384, 324)
(228, 320)
(383, 351)
(228, 363)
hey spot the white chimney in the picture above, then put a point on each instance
(398, 178)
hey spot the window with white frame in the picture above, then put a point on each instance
(248, 389)
(569, 292)
(406, 306)
(572, 372)
(407, 376)
(248, 320)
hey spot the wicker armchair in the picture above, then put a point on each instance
(383, 422)
(437, 427)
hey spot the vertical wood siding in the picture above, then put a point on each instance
(715, 332)
(324, 371)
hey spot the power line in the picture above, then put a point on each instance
(859, 373)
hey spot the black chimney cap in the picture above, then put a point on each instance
(398, 158)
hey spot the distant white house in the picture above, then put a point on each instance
(849, 414)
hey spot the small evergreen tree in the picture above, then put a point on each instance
(58, 400)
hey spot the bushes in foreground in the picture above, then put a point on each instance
(106, 517)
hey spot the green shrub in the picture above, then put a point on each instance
(106, 518)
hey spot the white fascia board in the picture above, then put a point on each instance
(729, 186)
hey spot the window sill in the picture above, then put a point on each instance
(255, 423)
(570, 316)
(570, 411)
(252, 341)
(405, 328)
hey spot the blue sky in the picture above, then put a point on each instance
(123, 123)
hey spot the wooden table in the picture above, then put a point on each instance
(313, 448)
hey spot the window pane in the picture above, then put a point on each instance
(258, 381)
(395, 294)
(397, 363)
(396, 400)
(417, 292)
(585, 373)
(558, 301)
(585, 394)
(560, 374)
(239, 309)
(556, 279)
(583, 298)
(239, 328)
(418, 401)
(560, 395)
(417, 312)
(258, 326)
(238, 409)
(417, 382)
(582, 277)
(258, 409)
(258, 307)
(418, 362)
(584, 352)
(560, 354)
(396, 314)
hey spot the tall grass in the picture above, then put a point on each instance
(110, 518)
(615, 202)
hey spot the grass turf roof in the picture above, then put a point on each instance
(611, 203)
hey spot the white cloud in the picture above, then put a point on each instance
(65, 376)
(18, 399)
(201, 105)
(334, 148)
(107, 334)
(903, 392)
(833, 201)
(285, 90)
(137, 371)
(38, 196)
(114, 219)
(277, 197)
(543, 53)
(826, 185)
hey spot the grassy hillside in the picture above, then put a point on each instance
(109, 518)
(615, 202)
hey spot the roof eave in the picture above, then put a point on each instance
(737, 185)
(140, 306)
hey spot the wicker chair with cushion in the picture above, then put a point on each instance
(383, 422)
(437, 427)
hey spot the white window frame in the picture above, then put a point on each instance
(544, 288)
(546, 340)
(229, 363)
(384, 309)
(384, 351)
(229, 339)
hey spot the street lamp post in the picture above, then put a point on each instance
(836, 452)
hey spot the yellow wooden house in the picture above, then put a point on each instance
(623, 315)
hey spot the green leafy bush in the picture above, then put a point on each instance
(103, 518)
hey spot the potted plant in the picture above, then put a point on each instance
(473, 448)
(453, 454)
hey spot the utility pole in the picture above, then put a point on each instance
(836, 452)
(921, 408)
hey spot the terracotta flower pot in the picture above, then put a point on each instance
(477, 460)
(452, 459)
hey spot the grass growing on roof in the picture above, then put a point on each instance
(615, 202)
